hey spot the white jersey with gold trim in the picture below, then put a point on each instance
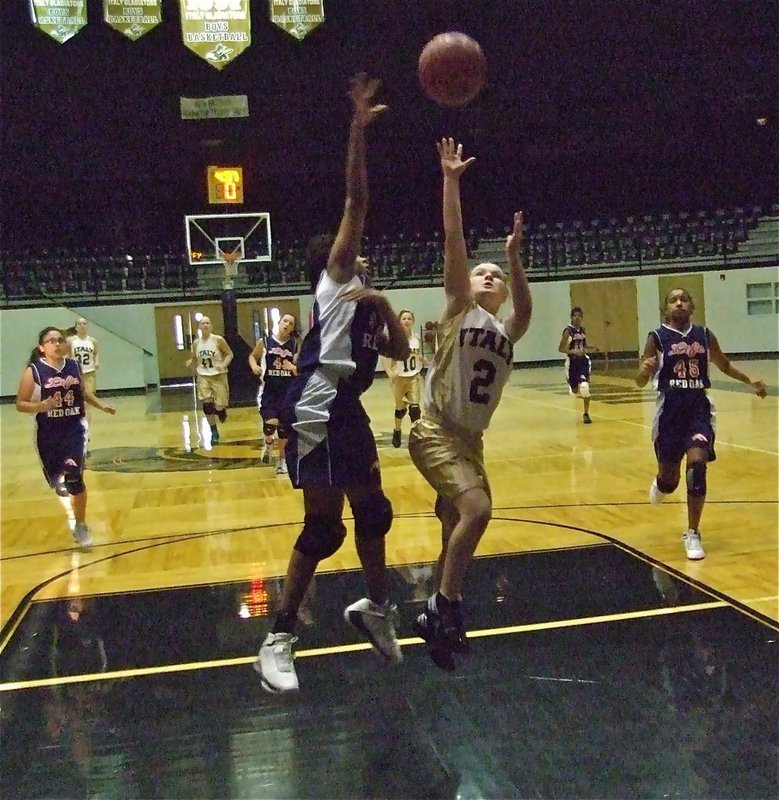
(413, 364)
(209, 356)
(83, 350)
(471, 366)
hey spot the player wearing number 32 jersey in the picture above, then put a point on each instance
(462, 391)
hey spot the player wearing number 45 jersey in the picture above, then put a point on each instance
(52, 388)
(462, 390)
(677, 354)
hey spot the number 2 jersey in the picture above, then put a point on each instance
(471, 366)
(65, 383)
(682, 376)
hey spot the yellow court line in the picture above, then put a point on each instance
(348, 648)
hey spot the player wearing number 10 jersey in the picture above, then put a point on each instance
(462, 390)
(405, 378)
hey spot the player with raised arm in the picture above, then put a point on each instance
(462, 390)
(331, 451)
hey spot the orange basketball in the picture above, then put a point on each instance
(452, 69)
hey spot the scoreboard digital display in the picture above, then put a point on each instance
(225, 185)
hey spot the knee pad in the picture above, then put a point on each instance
(584, 389)
(73, 479)
(269, 429)
(414, 413)
(400, 413)
(373, 517)
(282, 432)
(696, 479)
(209, 409)
(320, 537)
(666, 487)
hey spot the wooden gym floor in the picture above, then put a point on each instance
(605, 664)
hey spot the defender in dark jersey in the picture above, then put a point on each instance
(52, 388)
(331, 452)
(274, 361)
(577, 363)
(678, 354)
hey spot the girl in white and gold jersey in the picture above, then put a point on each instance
(462, 390)
(405, 377)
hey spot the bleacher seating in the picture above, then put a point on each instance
(666, 240)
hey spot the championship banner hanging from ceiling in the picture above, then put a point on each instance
(297, 17)
(133, 18)
(216, 30)
(60, 19)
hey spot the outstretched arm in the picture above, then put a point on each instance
(519, 320)
(341, 264)
(723, 362)
(457, 284)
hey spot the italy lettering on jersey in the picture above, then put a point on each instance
(83, 350)
(64, 384)
(413, 364)
(471, 366)
(683, 359)
(209, 356)
(578, 340)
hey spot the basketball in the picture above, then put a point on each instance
(452, 69)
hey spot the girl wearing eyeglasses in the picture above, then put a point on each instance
(52, 388)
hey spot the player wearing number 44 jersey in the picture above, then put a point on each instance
(677, 354)
(462, 390)
(52, 388)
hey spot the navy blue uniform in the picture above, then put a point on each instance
(61, 433)
(685, 416)
(330, 440)
(275, 378)
(577, 367)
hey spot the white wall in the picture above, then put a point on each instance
(122, 363)
(125, 331)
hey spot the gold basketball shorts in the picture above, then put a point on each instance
(451, 462)
(214, 388)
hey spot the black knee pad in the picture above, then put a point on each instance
(320, 537)
(209, 408)
(268, 429)
(400, 413)
(373, 516)
(414, 413)
(73, 480)
(282, 431)
(696, 479)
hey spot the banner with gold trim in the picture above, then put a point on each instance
(216, 30)
(133, 18)
(297, 17)
(60, 19)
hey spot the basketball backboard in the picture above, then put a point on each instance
(210, 235)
